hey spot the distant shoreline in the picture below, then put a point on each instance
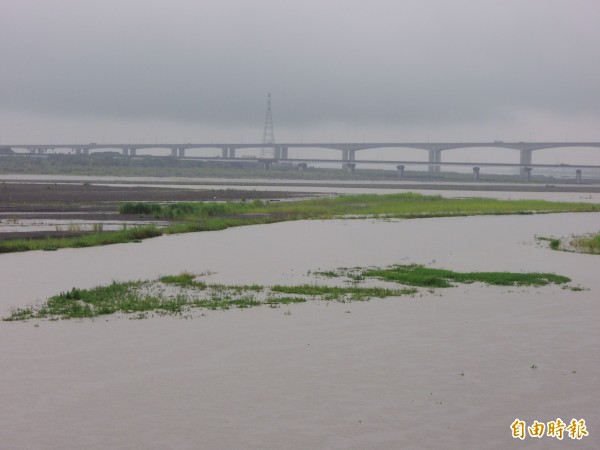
(421, 185)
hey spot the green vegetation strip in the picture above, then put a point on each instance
(135, 234)
(212, 216)
(421, 276)
(178, 294)
(407, 205)
(416, 275)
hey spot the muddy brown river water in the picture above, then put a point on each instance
(446, 369)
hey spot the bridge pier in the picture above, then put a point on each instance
(350, 167)
(86, 151)
(125, 152)
(578, 176)
(132, 151)
(173, 152)
(284, 153)
(525, 160)
(232, 152)
(276, 152)
(527, 172)
(267, 164)
(181, 153)
(435, 156)
(344, 159)
(400, 171)
(348, 155)
(476, 173)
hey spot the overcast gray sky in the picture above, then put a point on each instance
(110, 70)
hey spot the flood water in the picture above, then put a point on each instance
(446, 369)
(11, 223)
(285, 252)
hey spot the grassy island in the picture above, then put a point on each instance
(181, 294)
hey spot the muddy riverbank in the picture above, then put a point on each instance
(39, 210)
(41, 197)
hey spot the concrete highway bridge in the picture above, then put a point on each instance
(279, 152)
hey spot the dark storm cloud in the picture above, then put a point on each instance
(353, 62)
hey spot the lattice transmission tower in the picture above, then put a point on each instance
(267, 150)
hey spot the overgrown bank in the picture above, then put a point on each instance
(209, 216)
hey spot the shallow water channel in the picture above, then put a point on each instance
(466, 360)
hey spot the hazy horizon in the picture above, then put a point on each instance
(421, 71)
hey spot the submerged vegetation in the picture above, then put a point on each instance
(184, 279)
(587, 243)
(182, 293)
(336, 293)
(188, 217)
(143, 296)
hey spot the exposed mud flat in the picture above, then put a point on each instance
(39, 210)
(65, 196)
(448, 369)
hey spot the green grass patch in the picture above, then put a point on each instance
(87, 240)
(184, 279)
(98, 301)
(182, 210)
(554, 244)
(140, 208)
(418, 275)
